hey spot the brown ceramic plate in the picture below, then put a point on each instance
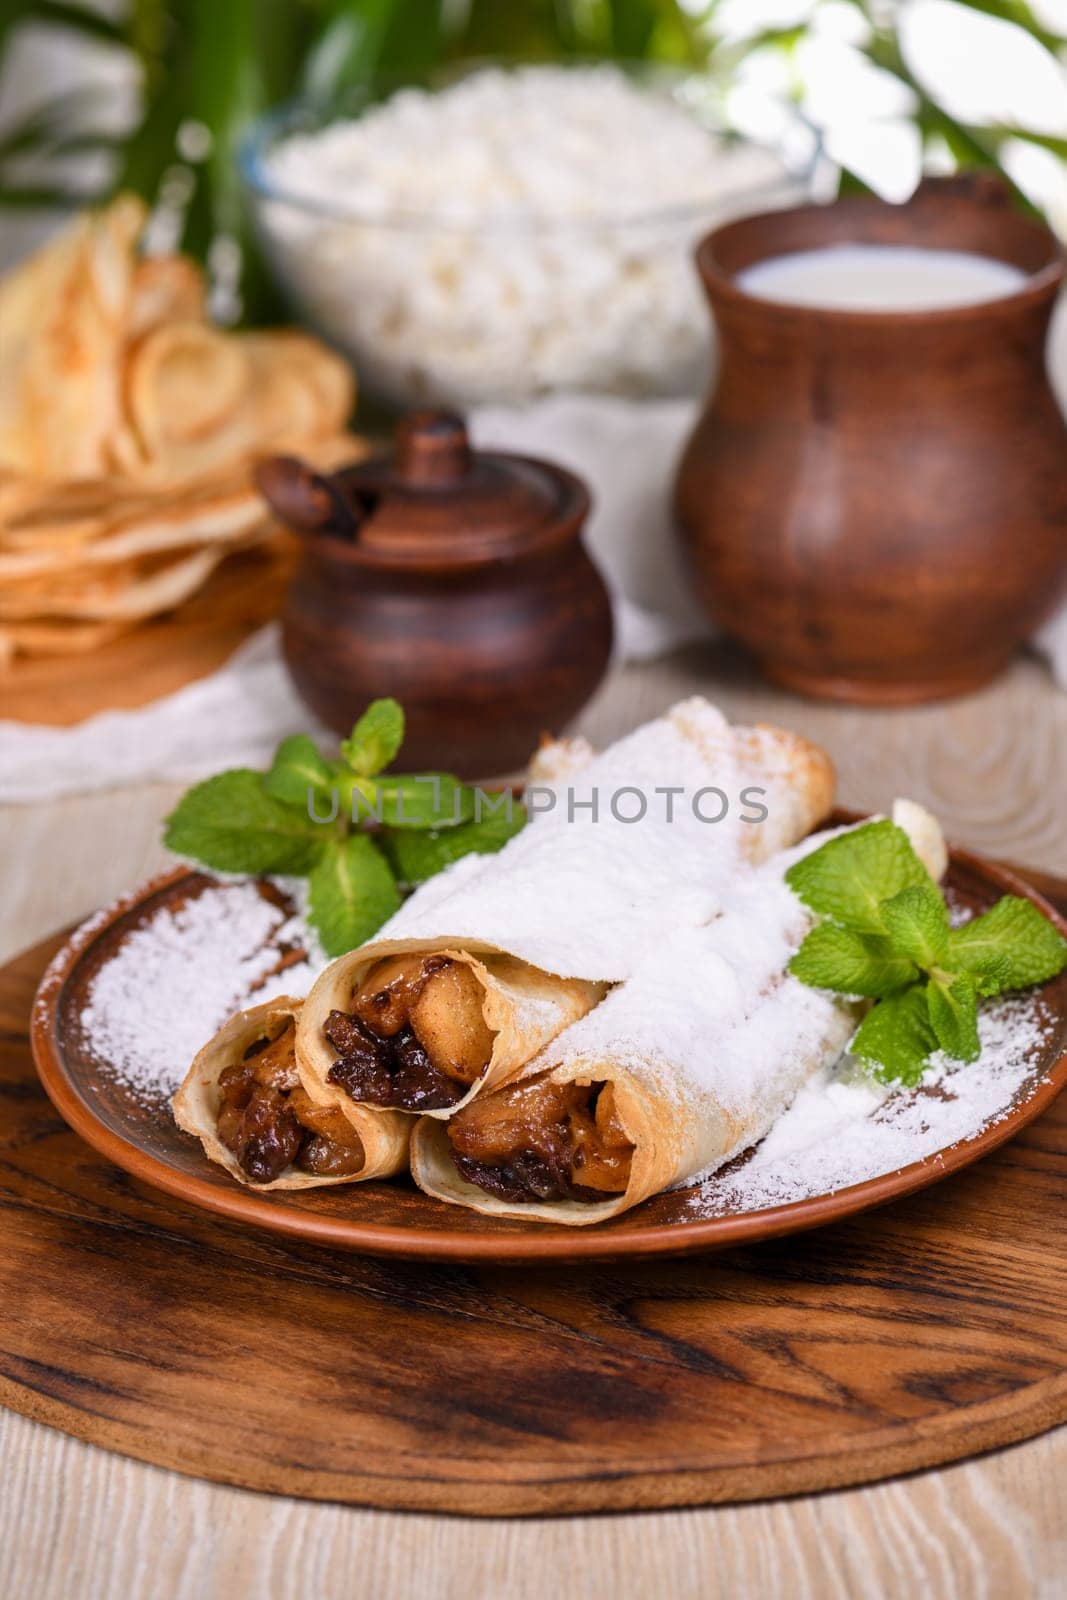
(394, 1218)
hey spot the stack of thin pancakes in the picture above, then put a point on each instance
(599, 1012)
(129, 426)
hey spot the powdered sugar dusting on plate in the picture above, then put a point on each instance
(178, 976)
(844, 1127)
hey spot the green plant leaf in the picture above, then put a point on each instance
(953, 1007)
(1012, 946)
(916, 923)
(375, 739)
(990, 974)
(850, 876)
(230, 824)
(833, 957)
(425, 800)
(351, 892)
(417, 856)
(897, 1037)
(297, 772)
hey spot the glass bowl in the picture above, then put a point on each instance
(459, 308)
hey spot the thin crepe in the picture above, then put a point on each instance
(576, 899)
(383, 1134)
(705, 1046)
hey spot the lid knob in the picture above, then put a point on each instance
(432, 447)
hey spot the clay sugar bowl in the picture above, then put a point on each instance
(452, 579)
(875, 501)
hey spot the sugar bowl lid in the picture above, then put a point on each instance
(433, 502)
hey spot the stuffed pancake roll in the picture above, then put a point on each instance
(682, 1067)
(490, 961)
(243, 1099)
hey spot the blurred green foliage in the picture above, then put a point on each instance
(214, 65)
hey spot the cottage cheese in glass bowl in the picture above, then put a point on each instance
(516, 231)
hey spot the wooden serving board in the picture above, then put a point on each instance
(157, 657)
(907, 1337)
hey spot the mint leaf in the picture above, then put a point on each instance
(230, 823)
(1012, 945)
(417, 856)
(297, 770)
(375, 739)
(953, 1007)
(833, 957)
(849, 877)
(351, 892)
(897, 1037)
(989, 974)
(425, 800)
(916, 922)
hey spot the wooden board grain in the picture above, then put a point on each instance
(915, 1335)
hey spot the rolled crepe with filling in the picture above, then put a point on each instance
(242, 1098)
(492, 959)
(681, 1068)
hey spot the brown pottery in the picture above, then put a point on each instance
(875, 503)
(454, 580)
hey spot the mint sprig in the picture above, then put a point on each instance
(356, 831)
(351, 892)
(231, 823)
(376, 738)
(885, 935)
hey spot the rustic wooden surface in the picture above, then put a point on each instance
(76, 1519)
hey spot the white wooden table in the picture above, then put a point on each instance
(81, 1524)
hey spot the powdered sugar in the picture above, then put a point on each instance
(708, 1010)
(176, 978)
(590, 887)
(844, 1128)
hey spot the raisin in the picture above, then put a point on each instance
(347, 1034)
(236, 1083)
(498, 1181)
(364, 1077)
(419, 1086)
(268, 1137)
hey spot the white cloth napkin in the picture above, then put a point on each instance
(627, 451)
(232, 718)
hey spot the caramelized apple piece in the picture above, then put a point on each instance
(273, 1061)
(602, 1150)
(495, 1126)
(269, 1123)
(447, 1020)
(334, 1148)
(541, 1140)
(384, 998)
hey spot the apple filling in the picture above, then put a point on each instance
(415, 1037)
(268, 1122)
(541, 1140)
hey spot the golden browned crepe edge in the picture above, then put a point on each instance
(384, 1134)
(507, 989)
(799, 780)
